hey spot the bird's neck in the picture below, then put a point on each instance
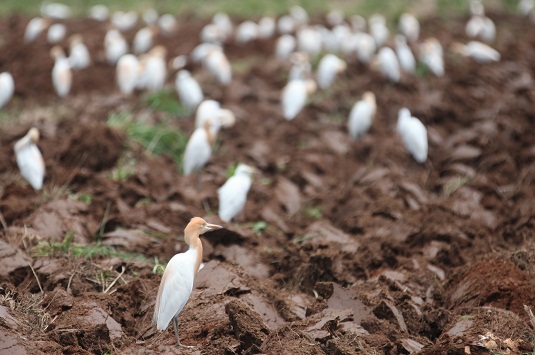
(195, 244)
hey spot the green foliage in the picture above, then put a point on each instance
(313, 212)
(86, 198)
(166, 101)
(259, 226)
(231, 169)
(73, 250)
(158, 139)
(158, 268)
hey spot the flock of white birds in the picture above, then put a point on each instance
(141, 65)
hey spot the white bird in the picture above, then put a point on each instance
(78, 54)
(210, 111)
(481, 27)
(124, 21)
(126, 73)
(61, 72)
(188, 89)
(299, 15)
(211, 33)
(198, 149)
(144, 39)
(362, 115)
(7, 88)
(99, 13)
(309, 41)
(201, 51)
(301, 68)
(335, 17)
(405, 56)
(154, 69)
(285, 46)
(365, 46)
(150, 16)
(56, 33)
(115, 45)
(223, 22)
(432, 55)
(247, 31)
(218, 66)
(30, 160)
(286, 24)
(409, 27)
(478, 51)
(414, 135)
(233, 193)
(266, 27)
(177, 280)
(167, 23)
(378, 29)
(388, 64)
(34, 28)
(294, 96)
(55, 10)
(328, 67)
(358, 23)
(525, 6)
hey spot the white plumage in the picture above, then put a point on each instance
(143, 39)
(99, 12)
(127, 72)
(478, 51)
(223, 22)
(34, 28)
(233, 194)
(285, 46)
(328, 67)
(405, 56)
(246, 32)
(389, 64)
(30, 160)
(365, 46)
(414, 135)
(55, 10)
(431, 54)
(309, 41)
(61, 72)
(56, 33)
(362, 115)
(294, 97)
(266, 27)
(218, 66)
(198, 150)
(167, 23)
(210, 112)
(409, 27)
(286, 24)
(124, 21)
(115, 46)
(378, 29)
(154, 69)
(7, 88)
(79, 54)
(150, 16)
(188, 89)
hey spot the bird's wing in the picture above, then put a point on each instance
(31, 165)
(175, 288)
(232, 197)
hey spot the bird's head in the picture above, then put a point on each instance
(369, 96)
(226, 117)
(244, 169)
(75, 39)
(33, 133)
(458, 47)
(57, 52)
(158, 51)
(198, 226)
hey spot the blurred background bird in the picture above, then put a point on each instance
(361, 115)
(414, 135)
(127, 73)
(188, 89)
(294, 96)
(199, 148)
(79, 57)
(177, 280)
(233, 194)
(61, 72)
(328, 67)
(7, 88)
(30, 160)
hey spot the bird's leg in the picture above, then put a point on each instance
(175, 323)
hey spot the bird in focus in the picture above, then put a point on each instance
(30, 160)
(233, 193)
(177, 280)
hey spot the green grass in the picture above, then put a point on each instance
(73, 250)
(166, 101)
(158, 139)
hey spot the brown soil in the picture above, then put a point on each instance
(365, 251)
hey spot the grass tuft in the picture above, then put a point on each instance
(166, 101)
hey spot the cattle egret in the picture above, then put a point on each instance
(115, 46)
(414, 135)
(481, 27)
(409, 27)
(365, 47)
(285, 46)
(218, 66)
(233, 194)
(211, 111)
(56, 33)
(34, 28)
(378, 29)
(223, 22)
(201, 51)
(286, 24)
(388, 64)
(188, 89)
(361, 115)
(247, 31)
(309, 41)
(358, 23)
(167, 23)
(78, 54)
(299, 15)
(30, 160)
(431, 54)
(144, 38)
(266, 27)
(478, 51)
(124, 21)
(335, 17)
(7, 88)
(294, 96)
(301, 68)
(154, 69)
(405, 56)
(329, 66)
(177, 280)
(198, 149)
(212, 34)
(150, 16)
(55, 10)
(99, 12)
(526, 6)
(61, 72)
(127, 72)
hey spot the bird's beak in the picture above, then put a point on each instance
(210, 227)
